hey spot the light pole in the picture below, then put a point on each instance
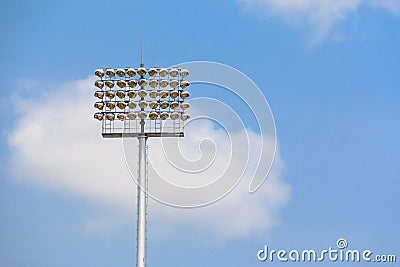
(141, 103)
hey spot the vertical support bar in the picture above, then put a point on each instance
(141, 204)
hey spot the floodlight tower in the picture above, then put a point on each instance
(146, 103)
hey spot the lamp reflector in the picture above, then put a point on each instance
(120, 72)
(141, 71)
(185, 105)
(132, 83)
(164, 104)
(99, 94)
(142, 82)
(99, 84)
(110, 116)
(98, 116)
(131, 72)
(153, 94)
(164, 115)
(185, 94)
(173, 72)
(110, 105)
(142, 115)
(174, 116)
(110, 72)
(174, 105)
(132, 115)
(184, 73)
(185, 117)
(99, 73)
(142, 104)
(152, 71)
(153, 104)
(164, 94)
(132, 105)
(174, 94)
(110, 94)
(163, 72)
(110, 84)
(142, 93)
(121, 105)
(153, 115)
(121, 83)
(173, 83)
(164, 83)
(121, 94)
(184, 84)
(121, 116)
(132, 94)
(99, 105)
(153, 83)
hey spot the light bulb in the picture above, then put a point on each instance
(153, 115)
(131, 72)
(141, 71)
(163, 72)
(174, 94)
(152, 71)
(121, 83)
(173, 72)
(184, 84)
(98, 116)
(121, 94)
(110, 84)
(110, 116)
(99, 94)
(120, 72)
(173, 83)
(132, 83)
(110, 72)
(110, 94)
(184, 73)
(99, 84)
(164, 83)
(99, 73)
(132, 94)
(174, 115)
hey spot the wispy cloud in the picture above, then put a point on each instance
(321, 16)
(56, 144)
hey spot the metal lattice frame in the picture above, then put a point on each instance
(123, 91)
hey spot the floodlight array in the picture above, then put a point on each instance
(129, 94)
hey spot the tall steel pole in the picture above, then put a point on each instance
(141, 203)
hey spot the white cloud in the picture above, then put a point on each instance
(320, 15)
(57, 145)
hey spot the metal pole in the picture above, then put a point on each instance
(141, 203)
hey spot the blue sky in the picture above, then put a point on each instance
(329, 70)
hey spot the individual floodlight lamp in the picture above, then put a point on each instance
(121, 83)
(99, 94)
(99, 73)
(110, 72)
(132, 83)
(131, 72)
(152, 71)
(99, 84)
(121, 94)
(163, 83)
(120, 72)
(163, 72)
